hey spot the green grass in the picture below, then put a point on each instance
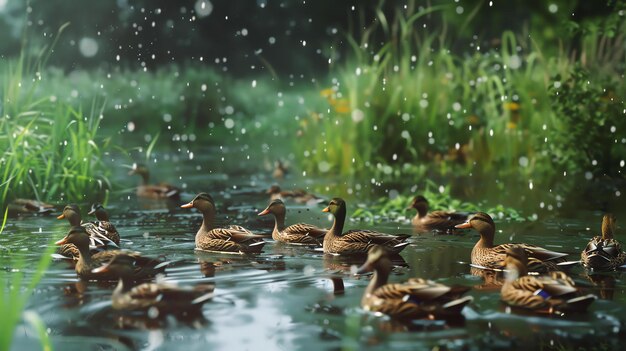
(412, 103)
(50, 149)
(15, 290)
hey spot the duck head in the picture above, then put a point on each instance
(77, 236)
(337, 207)
(377, 260)
(482, 223)
(276, 207)
(420, 204)
(203, 202)
(99, 211)
(72, 213)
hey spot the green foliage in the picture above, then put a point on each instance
(439, 198)
(15, 291)
(591, 129)
(410, 105)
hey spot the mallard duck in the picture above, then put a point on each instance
(414, 299)
(604, 253)
(29, 206)
(435, 220)
(104, 225)
(356, 241)
(554, 293)
(78, 236)
(165, 297)
(280, 170)
(300, 196)
(300, 233)
(232, 239)
(98, 239)
(161, 191)
(486, 254)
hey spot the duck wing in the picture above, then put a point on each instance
(305, 229)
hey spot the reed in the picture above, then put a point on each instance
(16, 286)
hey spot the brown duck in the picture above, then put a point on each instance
(161, 191)
(301, 233)
(232, 239)
(434, 220)
(104, 225)
(488, 255)
(356, 241)
(165, 297)
(144, 267)
(554, 293)
(604, 253)
(300, 196)
(98, 240)
(414, 299)
(18, 206)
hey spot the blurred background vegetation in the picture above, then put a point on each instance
(396, 91)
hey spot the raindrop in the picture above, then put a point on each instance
(357, 115)
(203, 8)
(523, 161)
(530, 185)
(229, 123)
(88, 47)
(130, 126)
(553, 8)
(323, 166)
(588, 175)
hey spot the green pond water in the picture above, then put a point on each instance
(284, 298)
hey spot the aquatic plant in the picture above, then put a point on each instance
(412, 101)
(439, 198)
(50, 150)
(15, 291)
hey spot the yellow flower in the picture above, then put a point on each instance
(342, 106)
(511, 125)
(327, 92)
(473, 119)
(511, 106)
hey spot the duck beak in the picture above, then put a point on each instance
(264, 212)
(61, 216)
(326, 209)
(61, 242)
(463, 225)
(189, 205)
(101, 269)
(365, 268)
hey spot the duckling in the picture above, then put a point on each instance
(604, 253)
(414, 299)
(435, 220)
(554, 293)
(232, 239)
(78, 236)
(165, 297)
(301, 233)
(357, 241)
(104, 225)
(161, 191)
(486, 254)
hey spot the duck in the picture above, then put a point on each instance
(231, 239)
(300, 196)
(604, 253)
(165, 297)
(280, 170)
(104, 225)
(356, 241)
(161, 191)
(414, 299)
(487, 255)
(301, 233)
(144, 267)
(434, 220)
(98, 240)
(18, 206)
(555, 293)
